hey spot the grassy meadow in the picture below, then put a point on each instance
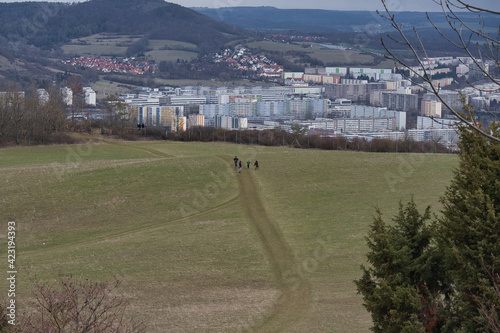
(116, 45)
(198, 246)
(321, 53)
(171, 55)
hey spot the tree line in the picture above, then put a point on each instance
(280, 137)
(30, 119)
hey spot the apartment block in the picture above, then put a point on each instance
(179, 124)
(424, 123)
(231, 123)
(353, 125)
(196, 120)
(321, 79)
(155, 115)
(400, 102)
(292, 75)
(372, 73)
(355, 90)
(329, 71)
(364, 111)
(451, 98)
(90, 96)
(431, 108)
(67, 95)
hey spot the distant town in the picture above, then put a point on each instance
(109, 65)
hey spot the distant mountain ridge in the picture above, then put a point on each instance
(325, 21)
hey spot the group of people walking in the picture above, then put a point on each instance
(238, 165)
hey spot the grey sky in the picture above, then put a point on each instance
(395, 5)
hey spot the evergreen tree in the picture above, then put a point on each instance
(469, 231)
(403, 287)
(444, 277)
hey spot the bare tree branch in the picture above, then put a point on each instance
(72, 305)
(424, 72)
(476, 9)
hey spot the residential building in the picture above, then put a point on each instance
(352, 125)
(270, 109)
(447, 137)
(184, 100)
(364, 111)
(462, 70)
(90, 96)
(451, 98)
(356, 90)
(336, 71)
(17, 94)
(213, 110)
(305, 108)
(155, 115)
(431, 108)
(327, 71)
(292, 75)
(375, 74)
(313, 92)
(43, 96)
(424, 123)
(376, 97)
(231, 123)
(321, 79)
(480, 103)
(179, 124)
(196, 120)
(67, 95)
(403, 102)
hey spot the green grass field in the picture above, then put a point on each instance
(171, 55)
(116, 45)
(199, 247)
(165, 44)
(95, 50)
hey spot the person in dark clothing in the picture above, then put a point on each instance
(256, 165)
(240, 167)
(235, 159)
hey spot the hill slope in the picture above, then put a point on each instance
(47, 25)
(198, 246)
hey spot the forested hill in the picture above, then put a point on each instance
(22, 20)
(48, 24)
(326, 21)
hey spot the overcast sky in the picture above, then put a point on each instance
(395, 5)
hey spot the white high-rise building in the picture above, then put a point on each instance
(43, 96)
(90, 96)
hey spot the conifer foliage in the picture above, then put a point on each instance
(469, 230)
(402, 286)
